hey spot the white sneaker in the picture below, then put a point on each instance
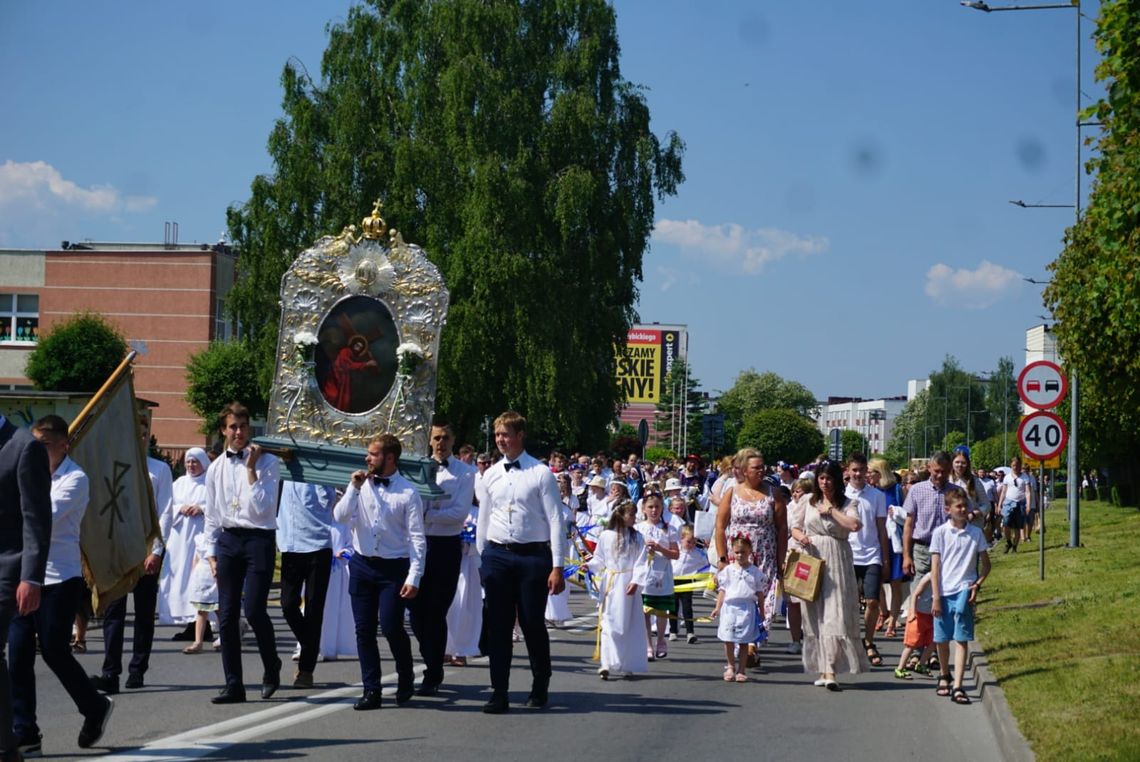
(672, 636)
(297, 653)
(795, 647)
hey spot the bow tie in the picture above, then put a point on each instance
(442, 463)
(509, 464)
(235, 455)
(381, 480)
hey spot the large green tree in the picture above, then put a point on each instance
(958, 402)
(1095, 290)
(219, 375)
(502, 137)
(781, 435)
(1001, 399)
(910, 437)
(754, 391)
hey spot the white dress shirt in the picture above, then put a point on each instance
(232, 502)
(521, 505)
(386, 522)
(162, 482)
(69, 494)
(445, 516)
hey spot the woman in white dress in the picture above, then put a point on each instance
(186, 522)
(621, 623)
(832, 642)
(465, 617)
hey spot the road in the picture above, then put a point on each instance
(681, 709)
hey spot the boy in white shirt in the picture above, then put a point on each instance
(955, 548)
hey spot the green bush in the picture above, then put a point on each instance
(781, 435)
(77, 355)
(222, 373)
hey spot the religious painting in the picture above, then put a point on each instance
(355, 356)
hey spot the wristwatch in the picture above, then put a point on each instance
(724, 559)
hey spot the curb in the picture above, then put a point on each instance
(1011, 742)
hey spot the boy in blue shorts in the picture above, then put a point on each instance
(955, 548)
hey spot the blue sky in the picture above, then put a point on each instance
(845, 221)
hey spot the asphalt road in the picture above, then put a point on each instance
(681, 710)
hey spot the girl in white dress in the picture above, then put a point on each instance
(338, 630)
(186, 523)
(558, 606)
(621, 626)
(662, 546)
(465, 617)
(742, 590)
(203, 594)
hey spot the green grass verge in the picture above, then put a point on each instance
(1066, 650)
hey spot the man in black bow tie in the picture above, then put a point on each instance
(522, 542)
(385, 514)
(443, 525)
(241, 533)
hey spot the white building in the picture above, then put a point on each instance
(874, 419)
(1041, 344)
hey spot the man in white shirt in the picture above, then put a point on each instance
(443, 525)
(59, 598)
(241, 533)
(869, 546)
(385, 514)
(145, 592)
(522, 543)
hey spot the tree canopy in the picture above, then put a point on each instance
(1094, 291)
(219, 375)
(754, 391)
(781, 434)
(76, 355)
(502, 138)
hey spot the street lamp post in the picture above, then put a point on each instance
(1072, 494)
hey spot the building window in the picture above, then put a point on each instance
(19, 318)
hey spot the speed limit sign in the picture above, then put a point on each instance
(1042, 435)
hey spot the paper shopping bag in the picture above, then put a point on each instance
(803, 575)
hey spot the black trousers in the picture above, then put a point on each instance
(515, 583)
(429, 607)
(374, 590)
(309, 571)
(245, 570)
(115, 624)
(684, 606)
(51, 623)
(7, 737)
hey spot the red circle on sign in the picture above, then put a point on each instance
(1038, 446)
(1055, 384)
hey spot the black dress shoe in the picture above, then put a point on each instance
(497, 705)
(538, 695)
(94, 726)
(229, 696)
(187, 634)
(370, 700)
(270, 682)
(404, 695)
(108, 684)
(134, 680)
(428, 688)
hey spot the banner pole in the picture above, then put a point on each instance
(81, 419)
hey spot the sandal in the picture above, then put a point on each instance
(891, 632)
(872, 654)
(922, 669)
(193, 648)
(79, 646)
(662, 650)
(880, 623)
(741, 677)
(729, 674)
(943, 685)
(902, 674)
(959, 696)
(458, 661)
(650, 655)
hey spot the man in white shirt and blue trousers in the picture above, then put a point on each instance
(443, 526)
(144, 594)
(522, 543)
(304, 538)
(241, 529)
(385, 514)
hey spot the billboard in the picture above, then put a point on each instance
(646, 359)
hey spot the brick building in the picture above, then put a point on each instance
(167, 299)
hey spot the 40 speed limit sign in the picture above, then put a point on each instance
(1042, 435)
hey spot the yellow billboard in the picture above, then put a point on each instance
(645, 361)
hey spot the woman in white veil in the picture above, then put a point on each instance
(186, 524)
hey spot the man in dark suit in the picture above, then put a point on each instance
(25, 534)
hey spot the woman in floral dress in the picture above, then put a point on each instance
(753, 508)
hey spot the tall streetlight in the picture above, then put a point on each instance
(1074, 478)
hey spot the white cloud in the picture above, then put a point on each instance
(972, 289)
(40, 186)
(734, 246)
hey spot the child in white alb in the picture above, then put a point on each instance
(621, 624)
(740, 605)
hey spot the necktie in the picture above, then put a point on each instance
(235, 455)
(381, 480)
(508, 465)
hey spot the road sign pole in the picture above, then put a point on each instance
(1073, 488)
(1041, 513)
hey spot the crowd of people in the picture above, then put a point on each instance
(486, 562)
